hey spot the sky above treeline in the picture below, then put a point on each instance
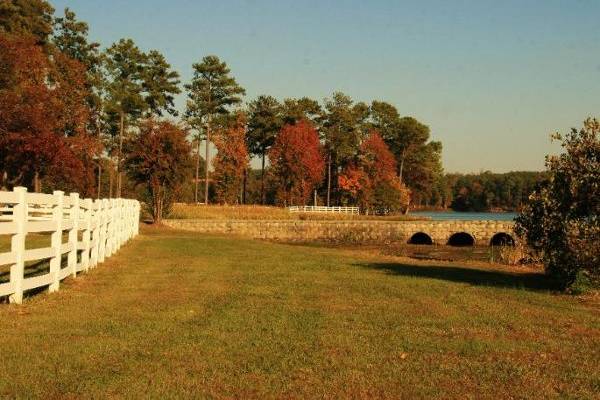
(492, 79)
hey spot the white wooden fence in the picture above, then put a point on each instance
(105, 225)
(325, 209)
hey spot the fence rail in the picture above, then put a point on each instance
(105, 225)
(325, 209)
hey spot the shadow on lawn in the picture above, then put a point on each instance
(533, 281)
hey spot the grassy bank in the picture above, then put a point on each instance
(256, 212)
(176, 314)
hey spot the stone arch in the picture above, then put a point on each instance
(420, 238)
(461, 239)
(502, 239)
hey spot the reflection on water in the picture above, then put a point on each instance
(465, 216)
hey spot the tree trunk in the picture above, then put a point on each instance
(328, 179)
(37, 187)
(4, 183)
(207, 176)
(157, 206)
(99, 179)
(262, 179)
(197, 172)
(401, 168)
(110, 179)
(244, 185)
(120, 154)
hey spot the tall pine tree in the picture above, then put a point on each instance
(264, 122)
(211, 92)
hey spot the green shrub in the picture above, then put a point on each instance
(561, 222)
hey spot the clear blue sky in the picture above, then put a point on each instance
(491, 78)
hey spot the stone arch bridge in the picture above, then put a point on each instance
(454, 232)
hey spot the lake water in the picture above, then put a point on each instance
(465, 216)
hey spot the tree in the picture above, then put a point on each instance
(373, 180)
(124, 64)
(231, 161)
(486, 190)
(343, 125)
(71, 39)
(138, 84)
(294, 110)
(211, 92)
(264, 123)
(562, 219)
(384, 118)
(42, 114)
(160, 84)
(418, 159)
(159, 158)
(26, 17)
(297, 162)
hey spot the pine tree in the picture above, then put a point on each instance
(27, 17)
(138, 84)
(264, 123)
(123, 62)
(211, 92)
(160, 84)
(343, 129)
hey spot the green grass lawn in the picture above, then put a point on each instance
(185, 315)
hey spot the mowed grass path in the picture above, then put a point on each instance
(177, 314)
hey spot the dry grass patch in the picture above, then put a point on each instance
(256, 212)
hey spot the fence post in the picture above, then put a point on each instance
(109, 227)
(120, 223)
(17, 270)
(137, 216)
(112, 225)
(95, 209)
(73, 233)
(127, 221)
(104, 231)
(101, 230)
(55, 261)
(85, 237)
(117, 227)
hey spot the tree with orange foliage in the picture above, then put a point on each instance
(297, 163)
(42, 116)
(372, 182)
(231, 161)
(159, 158)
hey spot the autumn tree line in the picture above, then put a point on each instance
(102, 122)
(74, 116)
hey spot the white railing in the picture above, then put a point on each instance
(104, 224)
(325, 209)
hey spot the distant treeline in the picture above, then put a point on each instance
(485, 191)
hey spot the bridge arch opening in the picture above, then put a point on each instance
(420, 238)
(461, 239)
(502, 239)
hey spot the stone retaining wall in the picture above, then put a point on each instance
(347, 231)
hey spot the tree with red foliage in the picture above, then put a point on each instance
(373, 182)
(297, 162)
(159, 158)
(231, 161)
(42, 116)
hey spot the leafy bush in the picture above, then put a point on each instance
(159, 160)
(562, 220)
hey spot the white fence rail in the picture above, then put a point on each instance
(324, 209)
(105, 225)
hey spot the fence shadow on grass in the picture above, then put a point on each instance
(472, 276)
